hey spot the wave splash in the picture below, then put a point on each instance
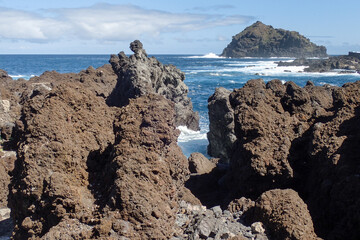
(192, 141)
(209, 55)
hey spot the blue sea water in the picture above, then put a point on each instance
(203, 75)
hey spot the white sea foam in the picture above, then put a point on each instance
(209, 55)
(27, 77)
(217, 74)
(189, 135)
(192, 141)
(323, 83)
(270, 68)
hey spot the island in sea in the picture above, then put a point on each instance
(260, 40)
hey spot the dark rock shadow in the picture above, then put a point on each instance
(101, 174)
(209, 188)
(6, 228)
(330, 187)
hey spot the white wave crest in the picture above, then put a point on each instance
(209, 55)
(27, 77)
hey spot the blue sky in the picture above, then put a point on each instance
(165, 26)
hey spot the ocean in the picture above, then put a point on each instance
(203, 73)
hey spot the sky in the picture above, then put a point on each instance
(167, 26)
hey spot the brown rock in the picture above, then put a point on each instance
(4, 182)
(285, 215)
(150, 167)
(242, 204)
(303, 138)
(77, 167)
(61, 132)
(199, 164)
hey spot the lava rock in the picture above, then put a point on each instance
(285, 215)
(140, 75)
(221, 117)
(299, 138)
(199, 164)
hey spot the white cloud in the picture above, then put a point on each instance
(212, 8)
(19, 25)
(105, 22)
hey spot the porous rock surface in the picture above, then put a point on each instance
(200, 164)
(300, 138)
(139, 75)
(221, 117)
(4, 182)
(14, 92)
(61, 130)
(106, 172)
(285, 214)
(260, 40)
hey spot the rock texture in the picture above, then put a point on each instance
(300, 138)
(4, 182)
(149, 167)
(62, 129)
(139, 75)
(13, 92)
(260, 40)
(199, 222)
(107, 173)
(285, 214)
(221, 117)
(199, 164)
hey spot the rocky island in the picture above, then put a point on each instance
(260, 40)
(94, 155)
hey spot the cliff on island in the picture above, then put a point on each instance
(260, 40)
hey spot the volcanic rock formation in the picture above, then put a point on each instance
(139, 75)
(260, 40)
(300, 138)
(107, 172)
(78, 167)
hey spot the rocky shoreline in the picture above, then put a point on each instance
(342, 64)
(94, 155)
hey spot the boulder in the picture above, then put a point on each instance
(260, 40)
(221, 117)
(199, 164)
(285, 215)
(140, 75)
